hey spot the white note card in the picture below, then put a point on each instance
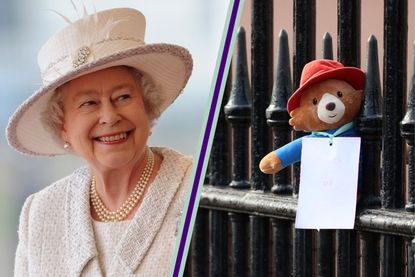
(328, 183)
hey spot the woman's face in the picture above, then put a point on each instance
(104, 118)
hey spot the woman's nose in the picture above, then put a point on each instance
(109, 115)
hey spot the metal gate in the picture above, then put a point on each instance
(244, 226)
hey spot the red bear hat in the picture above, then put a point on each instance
(320, 70)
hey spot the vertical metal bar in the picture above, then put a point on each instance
(411, 258)
(276, 113)
(258, 251)
(370, 254)
(199, 246)
(303, 263)
(346, 253)
(394, 86)
(219, 177)
(325, 238)
(370, 127)
(348, 50)
(218, 253)
(261, 53)
(392, 261)
(407, 131)
(304, 36)
(277, 117)
(348, 30)
(239, 245)
(325, 253)
(281, 256)
(304, 52)
(238, 113)
(219, 156)
(261, 50)
(395, 39)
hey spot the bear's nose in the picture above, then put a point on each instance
(330, 106)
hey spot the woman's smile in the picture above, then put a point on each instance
(115, 138)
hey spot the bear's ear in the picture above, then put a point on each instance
(292, 113)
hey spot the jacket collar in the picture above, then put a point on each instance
(149, 217)
(142, 229)
(82, 247)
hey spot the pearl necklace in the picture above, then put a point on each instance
(106, 215)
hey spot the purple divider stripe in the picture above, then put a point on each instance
(206, 137)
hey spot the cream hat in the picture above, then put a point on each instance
(98, 41)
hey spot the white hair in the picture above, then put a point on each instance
(52, 116)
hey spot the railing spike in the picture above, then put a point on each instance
(282, 81)
(372, 106)
(239, 94)
(238, 113)
(327, 46)
(276, 113)
(370, 126)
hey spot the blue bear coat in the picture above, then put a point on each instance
(291, 152)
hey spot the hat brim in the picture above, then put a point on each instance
(168, 66)
(352, 75)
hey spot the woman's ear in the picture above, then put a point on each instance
(64, 136)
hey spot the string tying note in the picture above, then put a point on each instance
(341, 130)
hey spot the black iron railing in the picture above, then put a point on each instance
(244, 225)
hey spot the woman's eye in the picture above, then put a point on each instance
(315, 101)
(339, 94)
(87, 103)
(123, 97)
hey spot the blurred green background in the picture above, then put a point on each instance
(25, 25)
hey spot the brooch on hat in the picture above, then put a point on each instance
(81, 56)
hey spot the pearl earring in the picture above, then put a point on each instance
(66, 145)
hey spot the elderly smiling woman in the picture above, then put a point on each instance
(103, 90)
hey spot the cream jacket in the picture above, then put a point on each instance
(56, 236)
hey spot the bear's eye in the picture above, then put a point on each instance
(315, 101)
(339, 94)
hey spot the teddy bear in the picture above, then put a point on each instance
(326, 103)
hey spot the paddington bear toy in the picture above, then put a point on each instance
(326, 103)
